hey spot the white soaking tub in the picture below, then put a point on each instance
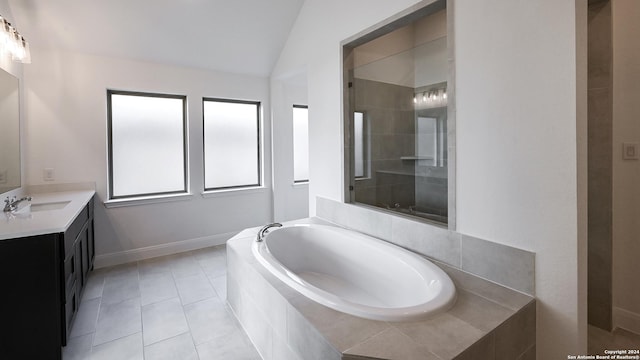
(355, 273)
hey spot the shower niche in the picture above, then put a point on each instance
(397, 96)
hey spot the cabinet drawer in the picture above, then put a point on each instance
(72, 232)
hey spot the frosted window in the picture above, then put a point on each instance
(147, 144)
(300, 143)
(231, 144)
(359, 143)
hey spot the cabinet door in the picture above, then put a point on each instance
(70, 309)
(82, 248)
(91, 250)
(30, 299)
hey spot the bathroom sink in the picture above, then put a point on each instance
(49, 206)
(23, 209)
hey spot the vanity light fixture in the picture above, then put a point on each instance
(431, 98)
(12, 43)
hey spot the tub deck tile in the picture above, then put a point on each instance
(445, 335)
(501, 295)
(390, 344)
(342, 331)
(479, 312)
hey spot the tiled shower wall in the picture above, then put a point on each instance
(600, 166)
(389, 115)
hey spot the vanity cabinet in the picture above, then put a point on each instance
(42, 279)
(77, 257)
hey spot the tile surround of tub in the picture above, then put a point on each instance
(509, 266)
(505, 265)
(482, 320)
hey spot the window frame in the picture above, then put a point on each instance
(185, 145)
(258, 105)
(305, 181)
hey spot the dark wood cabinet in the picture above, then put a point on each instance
(42, 279)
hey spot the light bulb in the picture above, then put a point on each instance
(26, 59)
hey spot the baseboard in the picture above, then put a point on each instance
(149, 252)
(626, 319)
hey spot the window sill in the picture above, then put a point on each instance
(146, 200)
(300, 184)
(233, 192)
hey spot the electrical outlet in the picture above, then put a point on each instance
(48, 174)
(3, 176)
(630, 151)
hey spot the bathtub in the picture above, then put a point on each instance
(355, 273)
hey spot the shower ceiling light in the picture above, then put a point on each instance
(12, 43)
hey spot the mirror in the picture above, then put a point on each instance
(396, 117)
(9, 132)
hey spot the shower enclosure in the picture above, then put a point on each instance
(396, 117)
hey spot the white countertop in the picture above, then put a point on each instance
(45, 221)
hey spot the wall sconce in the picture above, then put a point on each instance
(12, 43)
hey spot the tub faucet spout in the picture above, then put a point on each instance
(265, 229)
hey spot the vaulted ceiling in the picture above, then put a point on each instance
(238, 36)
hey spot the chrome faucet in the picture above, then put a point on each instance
(12, 205)
(264, 230)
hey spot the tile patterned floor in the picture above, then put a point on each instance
(171, 307)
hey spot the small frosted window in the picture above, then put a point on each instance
(359, 143)
(147, 144)
(300, 143)
(231, 144)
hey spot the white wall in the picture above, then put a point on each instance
(516, 120)
(517, 159)
(290, 201)
(626, 174)
(66, 130)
